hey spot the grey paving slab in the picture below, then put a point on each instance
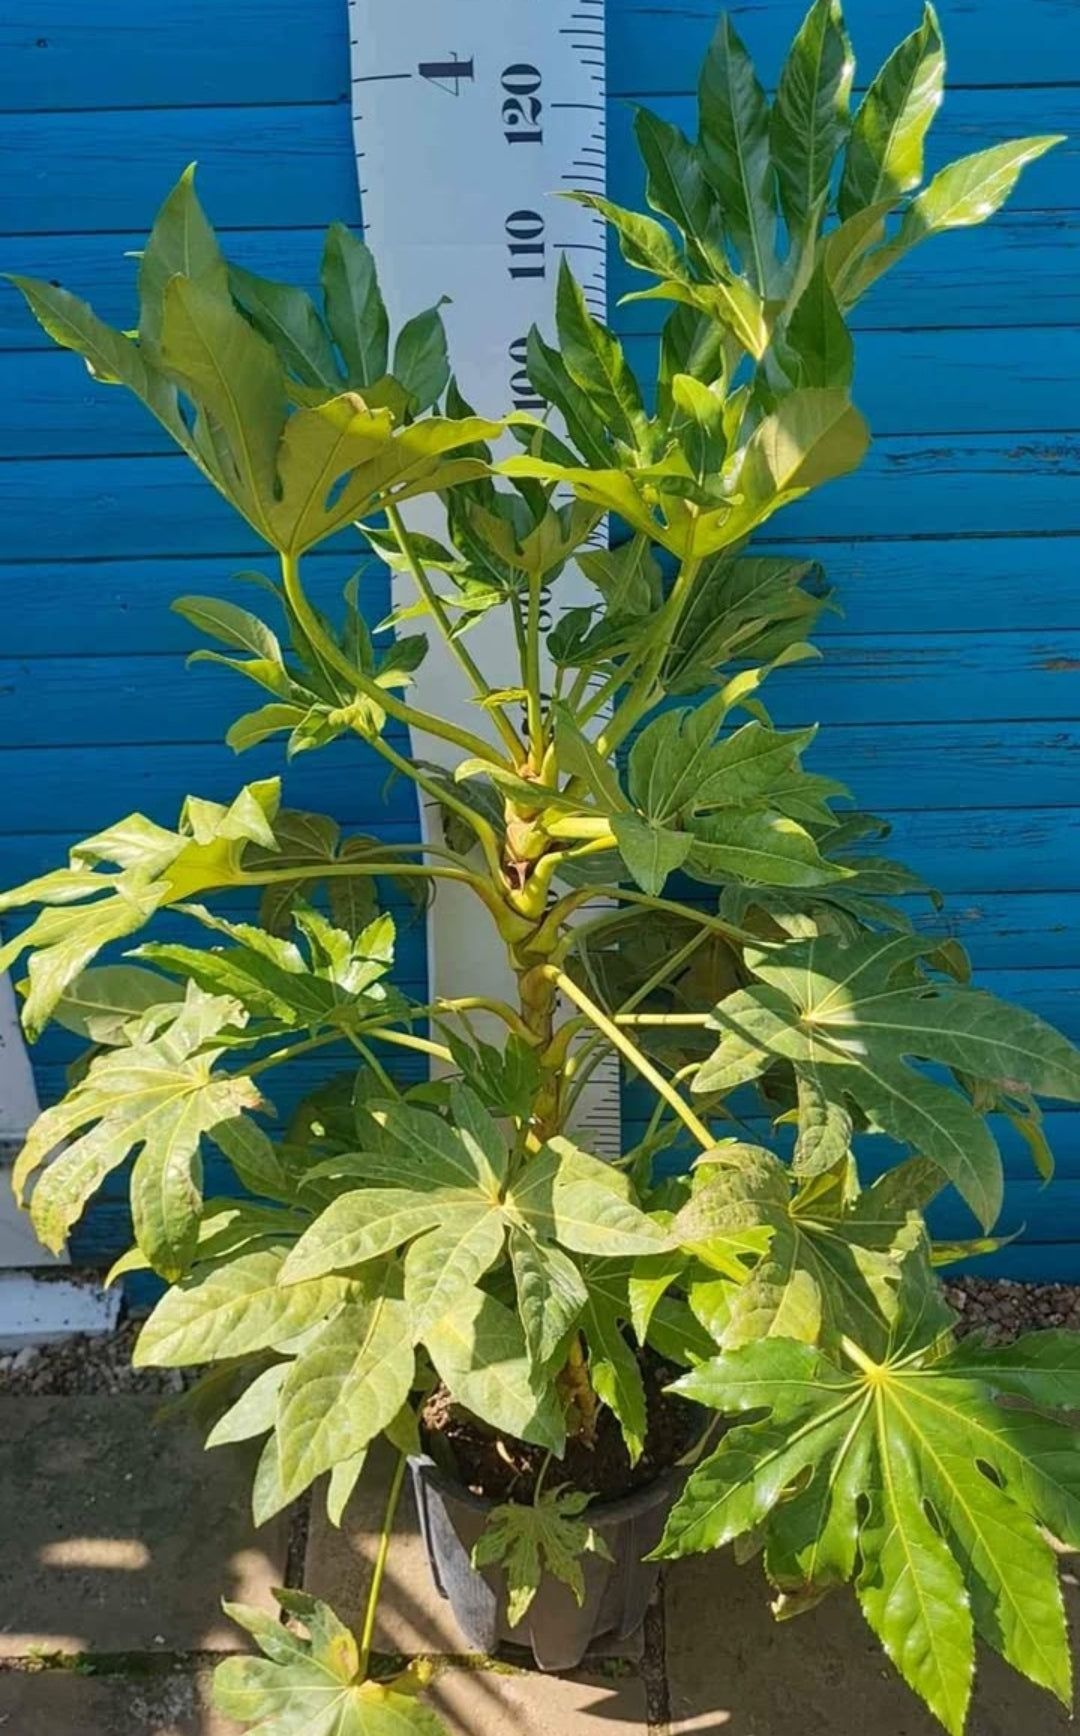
(412, 1616)
(56, 1703)
(483, 1703)
(121, 1534)
(734, 1671)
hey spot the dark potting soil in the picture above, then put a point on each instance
(500, 1469)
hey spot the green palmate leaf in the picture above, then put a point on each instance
(233, 1308)
(288, 318)
(676, 186)
(652, 853)
(885, 155)
(551, 1294)
(734, 117)
(313, 1686)
(855, 1015)
(343, 1389)
(949, 1544)
(421, 364)
(593, 1207)
(812, 437)
(479, 1350)
(965, 193)
(354, 306)
(547, 1538)
(342, 459)
(254, 1412)
(678, 768)
(441, 1266)
(505, 1079)
(111, 356)
(645, 243)
(595, 360)
(809, 119)
(806, 1268)
(103, 1001)
(181, 244)
(237, 381)
(155, 1097)
(613, 1366)
(817, 348)
(371, 1221)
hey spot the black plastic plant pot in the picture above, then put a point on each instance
(559, 1631)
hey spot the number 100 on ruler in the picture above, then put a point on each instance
(468, 116)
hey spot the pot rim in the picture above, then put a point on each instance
(623, 1507)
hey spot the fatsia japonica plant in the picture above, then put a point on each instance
(753, 962)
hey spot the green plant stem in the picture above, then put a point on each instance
(374, 1063)
(289, 1054)
(583, 1065)
(389, 1515)
(479, 1004)
(534, 704)
(630, 1051)
(484, 831)
(341, 870)
(670, 906)
(423, 1045)
(336, 658)
(662, 1018)
(640, 697)
(464, 658)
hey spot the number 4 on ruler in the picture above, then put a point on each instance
(447, 74)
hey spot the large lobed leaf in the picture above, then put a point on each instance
(906, 1476)
(852, 1018)
(156, 1097)
(314, 1686)
(242, 372)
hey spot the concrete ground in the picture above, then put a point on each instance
(119, 1536)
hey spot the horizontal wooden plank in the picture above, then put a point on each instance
(109, 171)
(981, 766)
(292, 167)
(102, 701)
(123, 608)
(913, 485)
(57, 54)
(657, 45)
(80, 790)
(1020, 270)
(882, 588)
(933, 382)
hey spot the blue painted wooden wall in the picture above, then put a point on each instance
(951, 693)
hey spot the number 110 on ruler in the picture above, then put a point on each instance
(468, 116)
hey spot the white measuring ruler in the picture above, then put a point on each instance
(468, 116)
